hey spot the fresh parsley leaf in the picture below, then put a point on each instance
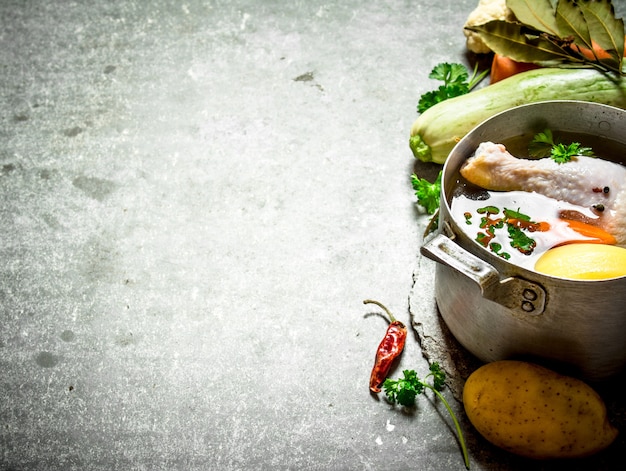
(431, 98)
(449, 73)
(428, 194)
(457, 89)
(488, 210)
(520, 241)
(497, 249)
(543, 145)
(586, 151)
(404, 391)
(561, 153)
(439, 376)
(513, 214)
(456, 82)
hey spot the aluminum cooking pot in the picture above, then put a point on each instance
(498, 310)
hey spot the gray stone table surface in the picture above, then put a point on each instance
(195, 198)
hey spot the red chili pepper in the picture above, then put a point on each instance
(389, 349)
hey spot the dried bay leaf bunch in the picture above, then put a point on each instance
(561, 33)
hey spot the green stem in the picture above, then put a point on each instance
(456, 424)
(476, 78)
(371, 301)
(421, 150)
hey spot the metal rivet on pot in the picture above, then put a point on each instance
(529, 294)
(527, 306)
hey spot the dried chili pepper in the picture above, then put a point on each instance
(389, 349)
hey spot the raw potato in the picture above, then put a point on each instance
(535, 412)
(583, 261)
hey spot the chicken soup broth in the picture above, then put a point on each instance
(519, 208)
(607, 149)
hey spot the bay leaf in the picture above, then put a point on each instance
(605, 29)
(571, 22)
(539, 14)
(513, 41)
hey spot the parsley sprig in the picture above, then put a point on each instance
(427, 193)
(544, 145)
(456, 81)
(405, 390)
(428, 196)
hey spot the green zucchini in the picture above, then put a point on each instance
(439, 128)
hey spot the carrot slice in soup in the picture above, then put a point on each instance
(597, 234)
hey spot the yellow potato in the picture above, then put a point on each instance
(583, 261)
(535, 412)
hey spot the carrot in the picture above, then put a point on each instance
(596, 52)
(503, 67)
(597, 234)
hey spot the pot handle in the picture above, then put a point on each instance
(518, 294)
